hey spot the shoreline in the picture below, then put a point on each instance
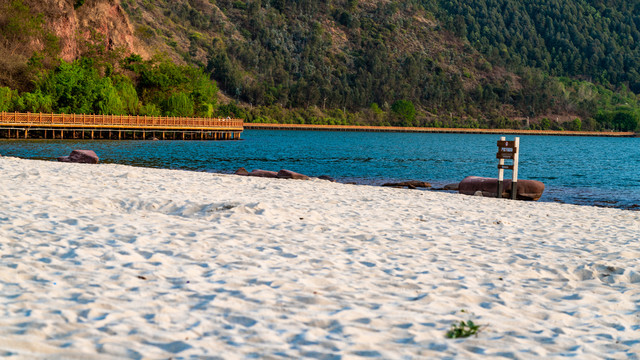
(437, 185)
(112, 261)
(260, 126)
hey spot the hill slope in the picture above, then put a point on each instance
(380, 62)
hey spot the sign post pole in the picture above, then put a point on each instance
(508, 150)
(500, 174)
(514, 181)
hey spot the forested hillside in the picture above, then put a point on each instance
(591, 39)
(492, 63)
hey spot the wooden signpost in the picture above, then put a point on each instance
(508, 150)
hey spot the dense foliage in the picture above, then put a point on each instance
(592, 39)
(490, 63)
(89, 86)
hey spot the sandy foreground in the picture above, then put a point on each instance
(110, 261)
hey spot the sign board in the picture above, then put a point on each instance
(508, 150)
(505, 155)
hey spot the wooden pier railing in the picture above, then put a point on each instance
(118, 121)
(77, 126)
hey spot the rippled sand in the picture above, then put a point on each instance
(110, 261)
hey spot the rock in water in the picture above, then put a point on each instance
(242, 171)
(413, 184)
(488, 187)
(81, 156)
(263, 173)
(288, 174)
(326, 177)
(452, 187)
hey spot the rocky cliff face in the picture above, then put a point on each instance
(74, 26)
(108, 19)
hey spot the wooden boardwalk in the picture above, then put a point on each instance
(116, 127)
(433, 130)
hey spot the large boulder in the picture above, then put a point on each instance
(263, 173)
(81, 156)
(242, 171)
(488, 187)
(288, 174)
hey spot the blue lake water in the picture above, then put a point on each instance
(577, 170)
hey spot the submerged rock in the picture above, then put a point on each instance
(81, 156)
(452, 186)
(413, 184)
(326, 177)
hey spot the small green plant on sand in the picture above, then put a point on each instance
(463, 330)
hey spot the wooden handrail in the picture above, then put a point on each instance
(35, 119)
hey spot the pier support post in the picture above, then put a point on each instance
(91, 134)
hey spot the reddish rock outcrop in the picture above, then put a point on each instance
(488, 187)
(288, 174)
(242, 172)
(81, 156)
(73, 26)
(263, 173)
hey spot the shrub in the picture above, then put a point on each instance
(463, 330)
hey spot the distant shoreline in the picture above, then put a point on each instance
(260, 126)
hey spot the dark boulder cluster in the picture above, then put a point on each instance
(81, 156)
(413, 184)
(282, 174)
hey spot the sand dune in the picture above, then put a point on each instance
(111, 262)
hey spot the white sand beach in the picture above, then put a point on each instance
(117, 262)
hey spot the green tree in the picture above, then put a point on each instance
(179, 104)
(576, 124)
(545, 124)
(35, 102)
(7, 98)
(406, 111)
